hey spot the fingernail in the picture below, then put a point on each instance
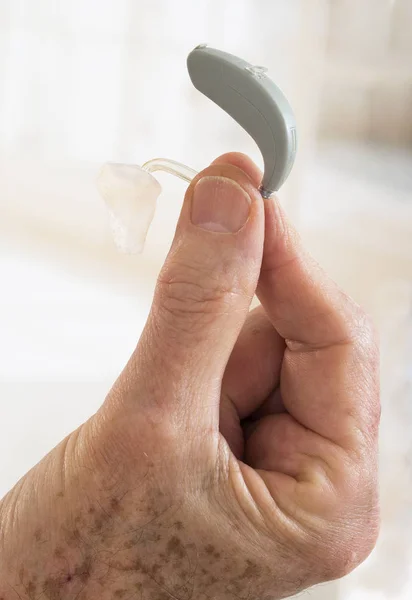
(219, 204)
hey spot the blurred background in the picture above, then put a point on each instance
(83, 82)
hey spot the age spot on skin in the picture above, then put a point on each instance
(31, 589)
(38, 535)
(83, 571)
(252, 570)
(155, 569)
(98, 525)
(115, 504)
(73, 538)
(52, 588)
(175, 546)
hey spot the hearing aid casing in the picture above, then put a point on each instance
(248, 95)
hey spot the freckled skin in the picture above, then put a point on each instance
(157, 560)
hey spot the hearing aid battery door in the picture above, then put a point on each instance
(130, 194)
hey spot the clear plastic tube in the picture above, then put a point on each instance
(170, 166)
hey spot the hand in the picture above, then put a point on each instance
(236, 455)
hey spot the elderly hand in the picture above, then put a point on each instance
(236, 455)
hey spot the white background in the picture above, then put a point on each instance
(86, 81)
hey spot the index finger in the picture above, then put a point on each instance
(330, 372)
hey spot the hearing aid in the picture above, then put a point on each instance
(250, 97)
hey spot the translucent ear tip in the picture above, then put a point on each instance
(130, 194)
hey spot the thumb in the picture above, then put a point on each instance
(205, 288)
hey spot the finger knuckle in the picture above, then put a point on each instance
(339, 562)
(358, 326)
(368, 335)
(349, 544)
(367, 353)
(188, 296)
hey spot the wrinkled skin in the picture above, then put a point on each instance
(236, 455)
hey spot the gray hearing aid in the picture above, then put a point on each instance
(248, 95)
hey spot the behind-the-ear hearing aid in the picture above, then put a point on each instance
(248, 95)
